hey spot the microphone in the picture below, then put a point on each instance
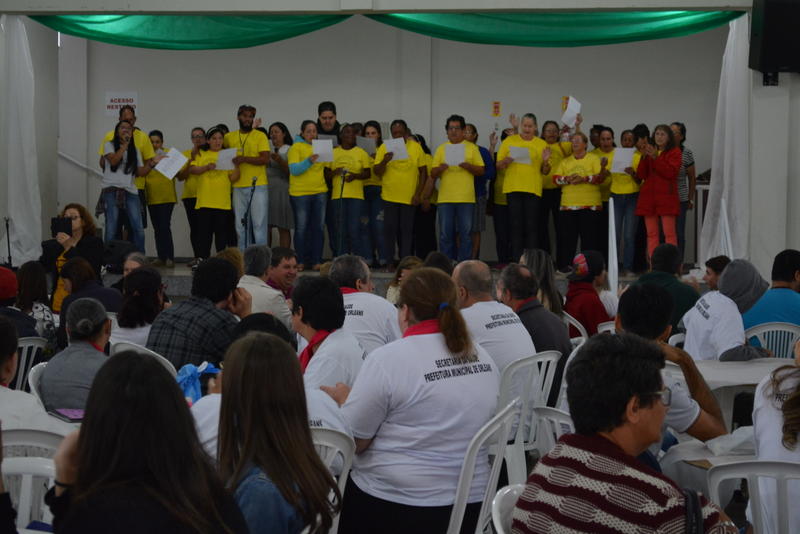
(255, 179)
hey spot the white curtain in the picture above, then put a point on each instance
(727, 217)
(18, 166)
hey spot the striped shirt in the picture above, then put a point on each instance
(683, 178)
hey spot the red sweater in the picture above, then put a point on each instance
(659, 192)
(583, 303)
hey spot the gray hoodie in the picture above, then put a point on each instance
(742, 283)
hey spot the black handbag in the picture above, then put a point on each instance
(693, 521)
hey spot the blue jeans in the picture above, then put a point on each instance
(455, 218)
(626, 221)
(346, 218)
(309, 218)
(372, 225)
(133, 209)
(257, 222)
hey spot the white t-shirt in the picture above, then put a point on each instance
(118, 178)
(496, 328)
(372, 319)
(337, 359)
(421, 410)
(610, 302)
(322, 413)
(682, 412)
(713, 326)
(136, 335)
(768, 433)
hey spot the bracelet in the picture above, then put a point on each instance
(62, 485)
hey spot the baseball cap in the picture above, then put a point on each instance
(586, 265)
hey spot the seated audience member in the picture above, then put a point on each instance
(25, 325)
(404, 268)
(645, 310)
(781, 303)
(266, 299)
(234, 256)
(617, 401)
(133, 261)
(665, 269)
(200, 328)
(333, 354)
(266, 455)
(776, 428)
(714, 268)
(283, 270)
(583, 301)
(370, 318)
(714, 327)
(491, 324)
(80, 282)
(142, 301)
(412, 432)
(66, 379)
(137, 465)
(32, 300)
(439, 261)
(540, 265)
(517, 288)
(17, 408)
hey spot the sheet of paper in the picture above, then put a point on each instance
(520, 154)
(367, 144)
(333, 139)
(454, 154)
(397, 147)
(172, 164)
(623, 158)
(324, 148)
(571, 113)
(225, 159)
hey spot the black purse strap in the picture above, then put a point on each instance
(693, 523)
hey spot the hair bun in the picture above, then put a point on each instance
(84, 327)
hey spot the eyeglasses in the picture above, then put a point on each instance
(72, 217)
(665, 395)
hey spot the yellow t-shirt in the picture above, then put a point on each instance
(457, 185)
(190, 184)
(558, 151)
(401, 177)
(249, 145)
(605, 187)
(142, 143)
(159, 189)
(523, 177)
(354, 160)
(213, 187)
(311, 182)
(621, 183)
(429, 165)
(580, 195)
(500, 197)
(373, 179)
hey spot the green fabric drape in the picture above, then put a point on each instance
(558, 29)
(198, 32)
(188, 32)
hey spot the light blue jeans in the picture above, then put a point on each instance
(133, 208)
(309, 234)
(626, 222)
(257, 221)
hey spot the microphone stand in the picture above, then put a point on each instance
(246, 217)
(8, 240)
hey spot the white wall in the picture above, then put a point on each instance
(373, 71)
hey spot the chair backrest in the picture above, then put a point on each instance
(31, 438)
(677, 339)
(331, 446)
(27, 469)
(608, 326)
(28, 349)
(562, 394)
(777, 337)
(503, 507)
(34, 376)
(779, 472)
(551, 424)
(572, 321)
(492, 435)
(122, 346)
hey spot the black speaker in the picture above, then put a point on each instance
(773, 36)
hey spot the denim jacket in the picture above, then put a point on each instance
(263, 506)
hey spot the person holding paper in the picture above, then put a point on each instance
(280, 209)
(161, 199)
(581, 204)
(658, 197)
(456, 163)
(551, 193)
(522, 183)
(250, 190)
(403, 179)
(308, 194)
(350, 167)
(372, 214)
(213, 204)
(625, 190)
(189, 195)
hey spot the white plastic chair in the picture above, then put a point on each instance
(562, 403)
(551, 425)
(28, 349)
(780, 472)
(572, 321)
(122, 346)
(608, 326)
(503, 507)
(331, 446)
(34, 376)
(777, 337)
(492, 435)
(675, 339)
(529, 379)
(28, 469)
(25, 437)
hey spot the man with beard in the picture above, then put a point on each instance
(252, 154)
